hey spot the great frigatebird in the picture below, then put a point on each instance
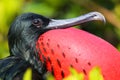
(22, 37)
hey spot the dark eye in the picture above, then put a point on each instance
(37, 22)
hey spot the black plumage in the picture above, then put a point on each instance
(22, 37)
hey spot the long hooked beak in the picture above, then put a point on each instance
(65, 23)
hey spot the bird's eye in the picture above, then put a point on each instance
(37, 22)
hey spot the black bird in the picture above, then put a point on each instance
(22, 37)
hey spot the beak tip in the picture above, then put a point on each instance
(99, 16)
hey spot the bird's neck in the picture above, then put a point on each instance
(27, 51)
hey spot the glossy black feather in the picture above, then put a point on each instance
(22, 37)
(13, 68)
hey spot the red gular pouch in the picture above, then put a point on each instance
(71, 47)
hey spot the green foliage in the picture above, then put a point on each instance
(95, 74)
(74, 75)
(3, 49)
(28, 74)
(8, 10)
(41, 8)
(50, 76)
(117, 10)
(118, 47)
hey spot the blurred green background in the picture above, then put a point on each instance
(9, 9)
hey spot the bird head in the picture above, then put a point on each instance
(23, 34)
(26, 29)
